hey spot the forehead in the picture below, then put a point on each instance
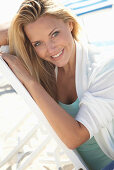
(43, 24)
(48, 19)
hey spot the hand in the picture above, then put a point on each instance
(18, 68)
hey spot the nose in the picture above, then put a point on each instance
(50, 47)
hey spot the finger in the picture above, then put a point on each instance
(8, 59)
(6, 56)
(3, 55)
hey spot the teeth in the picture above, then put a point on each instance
(57, 55)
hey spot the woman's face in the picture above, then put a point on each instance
(51, 39)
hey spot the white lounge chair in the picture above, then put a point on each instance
(94, 15)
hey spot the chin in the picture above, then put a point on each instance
(61, 64)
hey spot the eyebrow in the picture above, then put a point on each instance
(48, 35)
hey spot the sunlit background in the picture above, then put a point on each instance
(7, 9)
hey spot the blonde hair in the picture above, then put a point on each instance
(30, 11)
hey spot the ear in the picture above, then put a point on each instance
(70, 25)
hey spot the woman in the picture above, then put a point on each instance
(71, 83)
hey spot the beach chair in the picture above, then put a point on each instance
(96, 19)
(81, 7)
(17, 155)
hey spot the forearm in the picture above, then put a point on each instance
(4, 33)
(71, 132)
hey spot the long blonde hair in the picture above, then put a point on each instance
(30, 11)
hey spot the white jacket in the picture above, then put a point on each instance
(95, 89)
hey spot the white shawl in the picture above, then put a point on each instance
(95, 89)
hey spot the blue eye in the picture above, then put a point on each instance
(55, 33)
(37, 44)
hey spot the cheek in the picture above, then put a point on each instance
(40, 52)
(67, 37)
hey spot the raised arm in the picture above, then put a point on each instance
(70, 131)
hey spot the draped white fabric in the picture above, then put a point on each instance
(95, 89)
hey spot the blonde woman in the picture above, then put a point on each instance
(72, 84)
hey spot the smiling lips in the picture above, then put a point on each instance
(57, 55)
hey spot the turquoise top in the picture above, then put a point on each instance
(90, 151)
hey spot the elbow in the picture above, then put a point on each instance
(71, 146)
(72, 141)
(75, 142)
